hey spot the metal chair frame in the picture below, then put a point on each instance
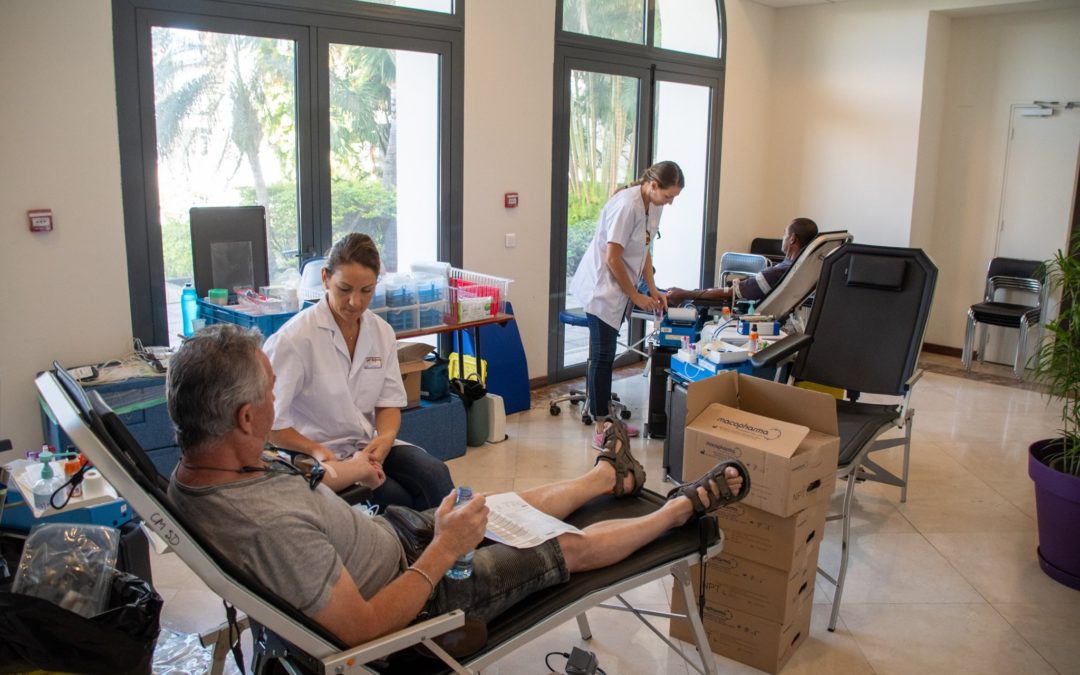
(993, 285)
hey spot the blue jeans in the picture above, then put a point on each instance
(602, 339)
(413, 478)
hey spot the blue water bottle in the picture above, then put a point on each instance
(462, 568)
(188, 308)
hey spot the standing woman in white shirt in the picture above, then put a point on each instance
(619, 256)
(338, 392)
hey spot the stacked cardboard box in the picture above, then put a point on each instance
(759, 592)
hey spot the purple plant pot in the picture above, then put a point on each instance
(1057, 504)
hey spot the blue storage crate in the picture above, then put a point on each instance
(433, 314)
(402, 318)
(267, 324)
(17, 515)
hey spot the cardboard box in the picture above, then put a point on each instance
(764, 591)
(786, 436)
(739, 635)
(770, 539)
(411, 361)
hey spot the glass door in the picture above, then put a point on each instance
(225, 107)
(601, 137)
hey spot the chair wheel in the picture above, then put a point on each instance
(586, 419)
(554, 410)
(625, 414)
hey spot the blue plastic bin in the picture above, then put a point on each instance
(267, 324)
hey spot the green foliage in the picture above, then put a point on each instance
(176, 250)
(582, 217)
(363, 205)
(1057, 360)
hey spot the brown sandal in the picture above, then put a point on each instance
(718, 475)
(620, 457)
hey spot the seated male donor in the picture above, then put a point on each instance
(359, 576)
(797, 236)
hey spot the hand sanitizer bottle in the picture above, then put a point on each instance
(43, 489)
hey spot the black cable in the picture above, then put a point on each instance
(75, 480)
(550, 654)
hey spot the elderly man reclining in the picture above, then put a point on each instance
(360, 576)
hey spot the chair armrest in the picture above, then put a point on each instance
(778, 352)
(394, 642)
(915, 377)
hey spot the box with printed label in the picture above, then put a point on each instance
(786, 436)
(770, 539)
(767, 592)
(744, 637)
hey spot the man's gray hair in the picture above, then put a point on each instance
(211, 376)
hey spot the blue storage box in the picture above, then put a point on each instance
(692, 372)
(267, 324)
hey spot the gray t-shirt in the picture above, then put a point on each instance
(292, 538)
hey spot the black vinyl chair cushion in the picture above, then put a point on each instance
(1004, 313)
(874, 271)
(859, 423)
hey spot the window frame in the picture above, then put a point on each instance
(308, 22)
(576, 51)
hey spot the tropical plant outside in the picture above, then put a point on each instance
(226, 121)
(1057, 360)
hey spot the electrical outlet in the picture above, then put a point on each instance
(511, 240)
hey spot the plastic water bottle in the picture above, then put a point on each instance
(188, 308)
(463, 566)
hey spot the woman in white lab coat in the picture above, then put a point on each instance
(338, 390)
(619, 256)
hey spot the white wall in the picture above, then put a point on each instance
(65, 293)
(509, 61)
(993, 62)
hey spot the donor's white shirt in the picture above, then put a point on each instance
(320, 392)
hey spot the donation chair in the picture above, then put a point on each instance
(1009, 274)
(289, 641)
(864, 336)
(799, 282)
(735, 266)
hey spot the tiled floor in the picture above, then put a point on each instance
(946, 583)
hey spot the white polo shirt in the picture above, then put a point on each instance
(622, 221)
(320, 392)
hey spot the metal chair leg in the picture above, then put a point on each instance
(984, 333)
(969, 341)
(846, 516)
(1021, 350)
(583, 626)
(907, 459)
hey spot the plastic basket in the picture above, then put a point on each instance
(267, 324)
(470, 290)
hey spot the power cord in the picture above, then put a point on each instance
(578, 662)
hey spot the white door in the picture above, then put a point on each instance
(1037, 199)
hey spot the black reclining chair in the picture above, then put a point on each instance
(287, 639)
(864, 336)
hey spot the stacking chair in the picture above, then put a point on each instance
(1015, 275)
(864, 336)
(288, 641)
(735, 266)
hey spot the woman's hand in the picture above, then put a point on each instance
(379, 447)
(462, 529)
(646, 302)
(363, 469)
(660, 298)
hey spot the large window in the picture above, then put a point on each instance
(636, 82)
(334, 123)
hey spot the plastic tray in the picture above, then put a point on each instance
(267, 324)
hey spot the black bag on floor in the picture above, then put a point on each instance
(469, 390)
(36, 634)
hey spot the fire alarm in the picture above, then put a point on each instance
(40, 220)
(510, 200)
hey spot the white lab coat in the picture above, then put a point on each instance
(320, 392)
(622, 221)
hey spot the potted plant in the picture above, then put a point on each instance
(1054, 463)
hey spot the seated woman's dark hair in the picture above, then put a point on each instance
(355, 247)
